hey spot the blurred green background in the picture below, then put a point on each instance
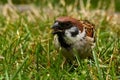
(104, 3)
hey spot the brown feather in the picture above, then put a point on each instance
(72, 20)
(90, 28)
(80, 24)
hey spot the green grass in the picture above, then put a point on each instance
(27, 51)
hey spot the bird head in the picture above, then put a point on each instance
(63, 23)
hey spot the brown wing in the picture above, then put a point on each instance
(90, 28)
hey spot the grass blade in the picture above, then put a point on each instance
(19, 69)
(97, 65)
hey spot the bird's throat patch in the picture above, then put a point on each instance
(62, 41)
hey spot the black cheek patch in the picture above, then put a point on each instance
(73, 34)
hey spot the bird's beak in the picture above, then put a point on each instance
(55, 25)
(56, 28)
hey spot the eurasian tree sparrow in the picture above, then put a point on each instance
(72, 36)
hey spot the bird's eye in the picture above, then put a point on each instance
(62, 23)
(67, 23)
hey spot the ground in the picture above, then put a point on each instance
(27, 51)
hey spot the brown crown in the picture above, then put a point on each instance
(80, 24)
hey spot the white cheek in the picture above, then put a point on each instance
(78, 37)
(68, 37)
(82, 35)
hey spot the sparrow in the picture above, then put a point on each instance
(74, 36)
